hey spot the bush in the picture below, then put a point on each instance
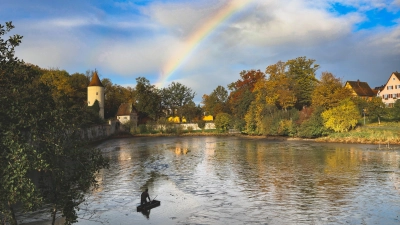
(201, 124)
(314, 126)
(223, 121)
(341, 118)
(142, 128)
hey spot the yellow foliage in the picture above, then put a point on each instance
(341, 118)
(208, 118)
(176, 119)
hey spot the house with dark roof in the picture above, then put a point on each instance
(360, 89)
(391, 90)
(127, 113)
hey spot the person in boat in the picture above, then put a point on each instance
(144, 196)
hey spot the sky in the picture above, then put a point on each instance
(206, 43)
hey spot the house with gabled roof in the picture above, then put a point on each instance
(360, 89)
(126, 113)
(391, 90)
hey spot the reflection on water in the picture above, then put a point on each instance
(232, 180)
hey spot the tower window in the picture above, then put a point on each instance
(97, 93)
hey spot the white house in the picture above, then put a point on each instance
(391, 90)
(127, 112)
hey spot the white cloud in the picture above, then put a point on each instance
(132, 44)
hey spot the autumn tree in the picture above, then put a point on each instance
(280, 89)
(343, 117)
(241, 94)
(59, 83)
(302, 72)
(329, 91)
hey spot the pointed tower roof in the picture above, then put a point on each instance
(95, 80)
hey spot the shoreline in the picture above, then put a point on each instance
(278, 138)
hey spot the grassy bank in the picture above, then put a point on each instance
(374, 133)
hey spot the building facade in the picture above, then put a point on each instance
(127, 113)
(391, 90)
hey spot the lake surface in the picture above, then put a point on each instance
(234, 180)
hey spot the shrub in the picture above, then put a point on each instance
(142, 128)
(341, 118)
(223, 121)
(201, 124)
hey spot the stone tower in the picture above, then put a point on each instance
(95, 91)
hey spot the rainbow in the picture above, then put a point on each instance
(199, 36)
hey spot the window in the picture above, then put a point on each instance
(97, 93)
(389, 87)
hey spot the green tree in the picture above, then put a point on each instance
(376, 109)
(313, 127)
(115, 95)
(341, 118)
(223, 121)
(79, 84)
(148, 100)
(216, 102)
(175, 97)
(39, 136)
(302, 72)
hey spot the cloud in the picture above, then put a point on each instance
(124, 40)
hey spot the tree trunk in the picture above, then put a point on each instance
(53, 215)
(14, 219)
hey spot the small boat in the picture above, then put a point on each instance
(148, 205)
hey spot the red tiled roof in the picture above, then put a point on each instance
(95, 80)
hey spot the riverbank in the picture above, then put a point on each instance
(379, 134)
(350, 140)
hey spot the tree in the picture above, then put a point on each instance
(341, 118)
(79, 84)
(302, 72)
(148, 100)
(115, 95)
(279, 87)
(376, 109)
(329, 91)
(191, 112)
(241, 94)
(313, 127)
(223, 121)
(39, 136)
(175, 96)
(216, 102)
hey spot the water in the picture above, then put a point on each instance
(233, 180)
